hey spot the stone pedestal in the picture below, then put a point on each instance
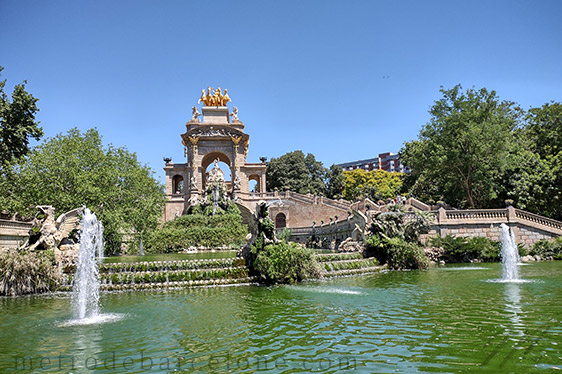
(215, 114)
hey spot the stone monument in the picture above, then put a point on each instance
(214, 139)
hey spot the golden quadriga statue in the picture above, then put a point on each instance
(214, 98)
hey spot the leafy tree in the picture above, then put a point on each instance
(336, 182)
(534, 175)
(317, 173)
(295, 172)
(462, 153)
(68, 171)
(17, 123)
(374, 184)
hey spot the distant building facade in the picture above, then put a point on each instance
(385, 161)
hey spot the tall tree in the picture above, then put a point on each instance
(535, 173)
(68, 171)
(462, 153)
(336, 182)
(295, 172)
(374, 184)
(17, 123)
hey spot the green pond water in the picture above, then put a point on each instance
(448, 320)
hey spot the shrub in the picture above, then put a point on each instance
(26, 272)
(285, 263)
(398, 224)
(548, 248)
(376, 246)
(465, 249)
(197, 230)
(404, 255)
(284, 235)
(396, 253)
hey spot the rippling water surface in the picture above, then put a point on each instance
(449, 320)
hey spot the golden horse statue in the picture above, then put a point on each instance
(214, 97)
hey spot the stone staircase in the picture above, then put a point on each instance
(210, 272)
(342, 264)
(172, 274)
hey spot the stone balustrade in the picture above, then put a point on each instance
(528, 227)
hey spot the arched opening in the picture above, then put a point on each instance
(280, 221)
(224, 164)
(254, 183)
(177, 184)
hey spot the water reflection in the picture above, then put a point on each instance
(512, 295)
(87, 348)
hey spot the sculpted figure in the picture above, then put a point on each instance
(217, 97)
(225, 98)
(234, 114)
(195, 113)
(209, 97)
(203, 98)
(237, 182)
(53, 232)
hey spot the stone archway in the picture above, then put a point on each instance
(178, 184)
(280, 221)
(208, 159)
(257, 179)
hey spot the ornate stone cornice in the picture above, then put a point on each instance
(222, 132)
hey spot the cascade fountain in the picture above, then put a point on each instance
(509, 255)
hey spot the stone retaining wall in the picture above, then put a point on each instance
(13, 234)
(527, 227)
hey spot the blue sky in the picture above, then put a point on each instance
(343, 80)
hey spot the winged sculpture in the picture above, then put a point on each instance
(52, 232)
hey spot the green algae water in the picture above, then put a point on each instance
(453, 319)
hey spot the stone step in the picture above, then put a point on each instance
(174, 284)
(346, 272)
(332, 266)
(182, 275)
(325, 257)
(119, 267)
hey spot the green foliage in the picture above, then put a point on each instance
(295, 172)
(336, 182)
(68, 171)
(285, 263)
(395, 238)
(404, 255)
(463, 152)
(534, 177)
(465, 249)
(196, 230)
(17, 123)
(548, 248)
(401, 225)
(26, 272)
(396, 253)
(284, 235)
(374, 184)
